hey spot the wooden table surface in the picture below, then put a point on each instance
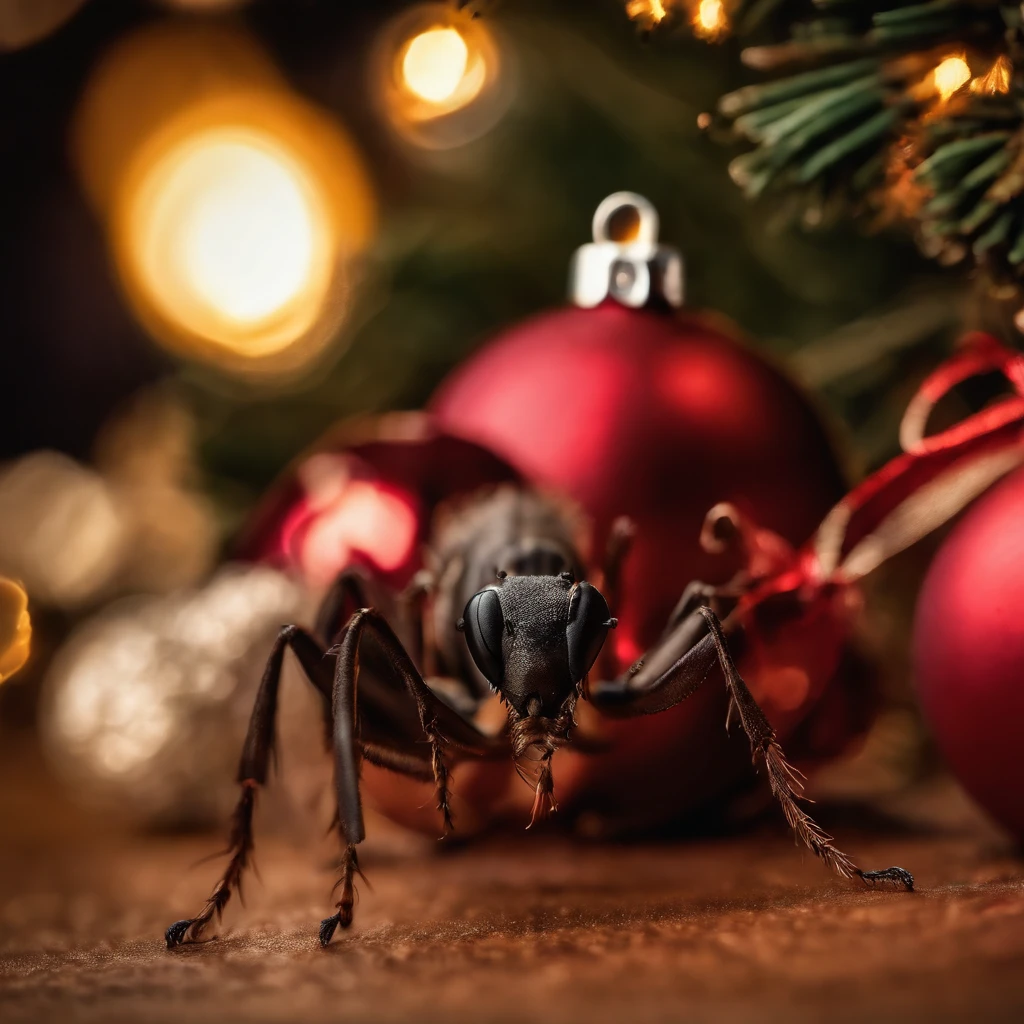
(515, 927)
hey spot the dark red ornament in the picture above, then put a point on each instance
(366, 494)
(632, 407)
(969, 651)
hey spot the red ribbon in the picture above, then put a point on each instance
(936, 476)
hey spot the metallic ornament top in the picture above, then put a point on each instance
(625, 262)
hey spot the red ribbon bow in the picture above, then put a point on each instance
(936, 476)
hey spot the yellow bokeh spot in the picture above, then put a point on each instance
(950, 75)
(234, 209)
(227, 234)
(648, 12)
(441, 72)
(246, 234)
(710, 20)
(15, 628)
(435, 63)
(438, 75)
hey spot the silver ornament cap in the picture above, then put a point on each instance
(625, 261)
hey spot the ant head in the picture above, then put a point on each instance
(536, 637)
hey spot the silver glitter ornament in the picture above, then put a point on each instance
(145, 706)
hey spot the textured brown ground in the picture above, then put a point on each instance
(515, 928)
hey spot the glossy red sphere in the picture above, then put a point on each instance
(657, 416)
(969, 651)
(366, 494)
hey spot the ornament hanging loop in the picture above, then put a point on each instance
(625, 262)
(625, 217)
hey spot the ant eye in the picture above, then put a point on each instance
(484, 624)
(589, 621)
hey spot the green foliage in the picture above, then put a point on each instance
(866, 127)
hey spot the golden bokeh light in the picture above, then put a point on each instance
(15, 628)
(710, 20)
(440, 72)
(228, 234)
(435, 63)
(234, 208)
(996, 81)
(245, 231)
(648, 12)
(61, 532)
(952, 73)
(436, 72)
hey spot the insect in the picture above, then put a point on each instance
(504, 609)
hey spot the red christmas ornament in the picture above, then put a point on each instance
(969, 651)
(366, 495)
(632, 407)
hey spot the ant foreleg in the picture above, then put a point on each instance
(674, 670)
(439, 724)
(786, 783)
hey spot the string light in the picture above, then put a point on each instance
(234, 208)
(996, 81)
(15, 628)
(648, 12)
(952, 73)
(435, 67)
(438, 74)
(710, 20)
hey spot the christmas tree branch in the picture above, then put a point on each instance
(905, 109)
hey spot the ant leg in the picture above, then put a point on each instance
(257, 754)
(352, 589)
(674, 670)
(786, 783)
(414, 602)
(388, 732)
(695, 596)
(345, 905)
(442, 726)
(620, 541)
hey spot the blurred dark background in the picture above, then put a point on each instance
(113, 419)
(469, 240)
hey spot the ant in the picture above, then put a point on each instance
(504, 608)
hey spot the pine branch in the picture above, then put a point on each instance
(902, 110)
